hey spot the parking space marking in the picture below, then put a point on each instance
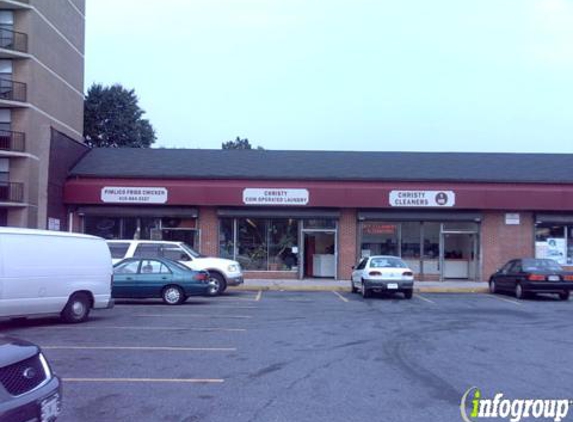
(146, 348)
(424, 299)
(342, 298)
(502, 299)
(155, 328)
(158, 380)
(194, 316)
(259, 295)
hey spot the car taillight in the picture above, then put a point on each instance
(407, 273)
(568, 277)
(536, 277)
(202, 276)
(374, 273)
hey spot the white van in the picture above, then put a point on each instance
(47, 272)
(223, 272)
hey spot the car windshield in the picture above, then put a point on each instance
(387, 263)
(541, 265)
(191, 251)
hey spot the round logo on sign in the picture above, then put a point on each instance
(441, 198)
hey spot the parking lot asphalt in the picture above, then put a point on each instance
(305, 356)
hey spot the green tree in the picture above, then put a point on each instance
(113, 119)
(238, 143)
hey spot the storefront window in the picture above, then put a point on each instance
(262, 244)
(283, 236)
(226, 239)
(379, 238)
(106, 227)
(251, 243)
(551, 242)
(411, 240)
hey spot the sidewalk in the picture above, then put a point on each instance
(308, 285)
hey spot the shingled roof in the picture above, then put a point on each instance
(325, 165)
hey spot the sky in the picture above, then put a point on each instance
(364, 75)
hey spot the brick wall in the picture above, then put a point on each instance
(209, 226)
(501, 242)
(346, 243)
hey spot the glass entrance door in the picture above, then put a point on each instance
(319, 254)
(459, 256)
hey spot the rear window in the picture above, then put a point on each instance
(387, 263)
(118, 250)
(541, 265)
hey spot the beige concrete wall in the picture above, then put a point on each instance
(55, 83)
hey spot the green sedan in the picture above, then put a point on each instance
(158, 278)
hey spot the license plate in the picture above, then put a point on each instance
(392, 286)
(553, 278)
(50, 408)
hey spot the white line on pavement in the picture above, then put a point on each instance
(146, 348)
(340, 296)
(502, 299)
(424, 298)
(195, 316)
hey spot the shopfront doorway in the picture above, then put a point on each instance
(319, 254)
(459, 255)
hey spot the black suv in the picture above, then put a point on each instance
(29, 390)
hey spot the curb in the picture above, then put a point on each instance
(279, 288)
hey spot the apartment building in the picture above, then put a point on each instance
(41, 107)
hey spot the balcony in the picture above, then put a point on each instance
(12, 91)
(12, 192)
(15, 42)
(12, 141)
(15, 4)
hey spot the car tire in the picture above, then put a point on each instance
(77, 309)
(564, 295)
(408, 293)
(173, 295)
(493, 287)
(220, 284)
(365, 292)
(519, 292)
(353, 288)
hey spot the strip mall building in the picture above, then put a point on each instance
(299, 214)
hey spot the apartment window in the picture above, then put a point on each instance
(6, 28)
(4, 170)
(5, 119)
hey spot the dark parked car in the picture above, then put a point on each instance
(526, 276)
(158, 278)
(29, 391)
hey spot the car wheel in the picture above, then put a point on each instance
(77, 309)
(408, 293)
(217, 284)
(173, 295)
(353, 288)
(492, 287)
(519, 292)
(564, 295)
(365, 292)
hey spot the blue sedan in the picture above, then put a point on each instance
(158, 278)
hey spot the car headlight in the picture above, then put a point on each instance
(233, 268)
(45, 366)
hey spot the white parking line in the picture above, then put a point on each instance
(164, 380)
(259, 295)
(502, 299)
(194, 316)
(152, 328)
(424, 299)
(341, 297)
(146, 348)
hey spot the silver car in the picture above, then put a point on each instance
(382, 273)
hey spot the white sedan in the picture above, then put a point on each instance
(382, 273)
